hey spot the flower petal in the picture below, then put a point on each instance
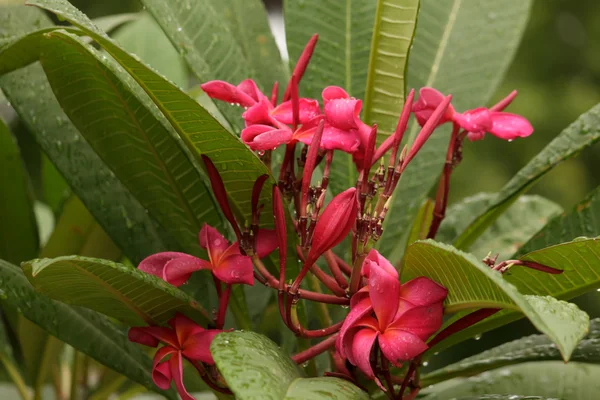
(250, 132)
(235, 268)
(179, 270)
(197, 347)
(308, 109)
(423, 291)
(429, 100)
(270, 140)
(225, 91)
(421, 321)
(176, 365)
(259, 113)
(362, 344)
(339, 139)
(161, 375)
(155, 264)
(384, 288)
(184, 327)
(358, 311)
(399, 346)
(151, 335)
(248, 86)
(212, 240)
(266, 242)
(332, 93)
(477, 120)
(343, 113)
(509, 126)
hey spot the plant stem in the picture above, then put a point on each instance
(76, 374)
(223, 303)
(16, 378)
(355, 276)
(315, 350)
(45, 365)
(335, 269)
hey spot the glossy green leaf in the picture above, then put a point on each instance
(86, 331)
(112, 22)
(577, 136)
(324, 389)
(341, 57)
(472, 284)
(463, 48)
(18, 229)
(530, 348)
(109, 201)
(238, 353)
(145, 39)
(144, 155)
(516, 226)
(393, 33)
(106, 287)
(540, 380)
(239, 167)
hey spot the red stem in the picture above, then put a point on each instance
(335, 269)
(223, 303)
(315, 350)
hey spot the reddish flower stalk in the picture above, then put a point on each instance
(335, 269)
(275, 93)
(223, 303)
(315, 350)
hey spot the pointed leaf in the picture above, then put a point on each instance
(461, 48)
(472, 284)
(106, 287)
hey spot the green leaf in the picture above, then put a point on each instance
(422, 222)
(577, 136)
(109, 201)
(112, 22)
(253, 366)
(18, 229)
(517, 225)
(461, 48)
(239, 167)
(144, 155)
(324, 389)
(472, 284)
(9, 363)
(393, 33)
(548, 379)
(341, 57)
(83, 329)
(106, 287)
(145, 39)
(530, 348)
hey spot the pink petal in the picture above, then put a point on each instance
(235, 268)
(509, 126)
(270, 140)
(359, 296)
(227, 92)
(423, 291)
(384, 288)
(357, 312)
(248, 86)
(474, 136)
(308, 109)
(259, 113)
(197, 347)
(429, 100)
(477, 120)
(184, 327)
(160, 375)
(380, 261)
(176, 365)
(266, 242)
(212, 240)
(252, 131)
(360, 355)
(421, 321)
(332, 93)
(179, 270)
(338, 139)
(151, 335)
(155, 264)
(398, 346)
(343, 113)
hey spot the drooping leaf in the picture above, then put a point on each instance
(580, 134)
(109, 23)
(123, 218)
(106, 287)
(86, 331)
(472, 284)
(530, 348)
(144, 155)
(341, 57)
(324, 389)
(145, 39)
(461, 48)
(393, 33)
(18, 229)
(545, 380)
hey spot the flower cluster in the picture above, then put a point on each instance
(389, 321)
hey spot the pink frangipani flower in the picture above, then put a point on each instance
(476, 122)
(226, 261)
(184, 339)
(400, 317)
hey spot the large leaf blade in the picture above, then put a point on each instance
(106, 287)
(131, 140)
(323, 388)
(463, 48)
(472, 284)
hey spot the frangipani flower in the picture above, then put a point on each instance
(399, 317)
(226, 261)
(184, 339)
(476, 122)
